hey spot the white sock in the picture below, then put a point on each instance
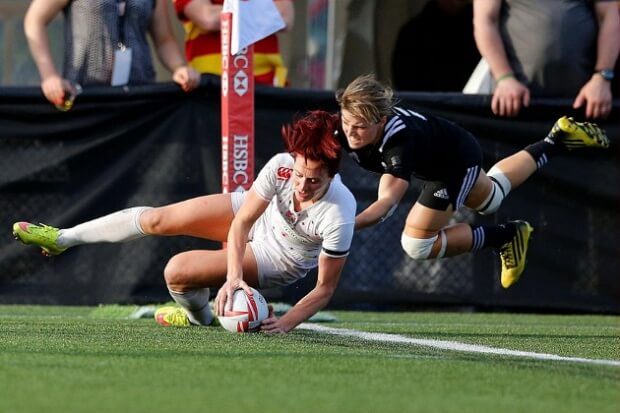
(196, 304)
(116, 227)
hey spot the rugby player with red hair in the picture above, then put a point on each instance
(298, 215)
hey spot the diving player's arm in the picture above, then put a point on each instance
(391, 191)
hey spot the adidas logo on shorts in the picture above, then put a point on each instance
(442, 193)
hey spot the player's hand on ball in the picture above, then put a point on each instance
(271, 324)
(224, 298)
(248, 311)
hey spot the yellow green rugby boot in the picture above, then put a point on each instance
(171, 316)
(514, 253)
(42, 235)
(576, 135)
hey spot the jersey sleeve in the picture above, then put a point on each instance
(339, 221)
(337, 240)
(395, 159)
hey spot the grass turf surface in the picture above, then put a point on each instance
(65, 359)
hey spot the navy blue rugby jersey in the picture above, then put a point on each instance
(425, 146)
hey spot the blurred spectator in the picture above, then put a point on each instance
(615, 84)
(551, 48)
(201, 21)
(435, 50)
(105, 43)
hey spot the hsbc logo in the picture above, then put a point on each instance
(240, 160)
(241, 79)
(240, 83)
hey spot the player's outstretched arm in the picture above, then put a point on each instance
(329, 273)
(391, 191)
(252, 208)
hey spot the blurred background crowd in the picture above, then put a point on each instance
(417, 45)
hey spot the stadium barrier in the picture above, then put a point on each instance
(153, 145)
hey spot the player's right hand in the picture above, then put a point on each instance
(224, 298)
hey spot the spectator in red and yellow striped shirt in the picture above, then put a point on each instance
(201, 21)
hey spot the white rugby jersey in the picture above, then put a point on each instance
(325, 227)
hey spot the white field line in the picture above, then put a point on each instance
(450, 345)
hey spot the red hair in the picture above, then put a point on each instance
(313, 137)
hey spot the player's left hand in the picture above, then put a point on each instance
(271, 325)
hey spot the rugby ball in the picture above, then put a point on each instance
(247, 312)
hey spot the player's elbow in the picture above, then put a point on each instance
(323, 292)
(326, 292)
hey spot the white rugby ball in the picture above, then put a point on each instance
(247, 312)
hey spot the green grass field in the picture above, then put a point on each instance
(68, 359)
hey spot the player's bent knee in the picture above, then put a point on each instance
(417, 248)
(174, 272)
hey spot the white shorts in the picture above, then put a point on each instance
(275, 269)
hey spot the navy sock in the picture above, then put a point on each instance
(544, 150)
(493, 236)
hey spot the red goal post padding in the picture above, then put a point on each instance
(237, 113)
